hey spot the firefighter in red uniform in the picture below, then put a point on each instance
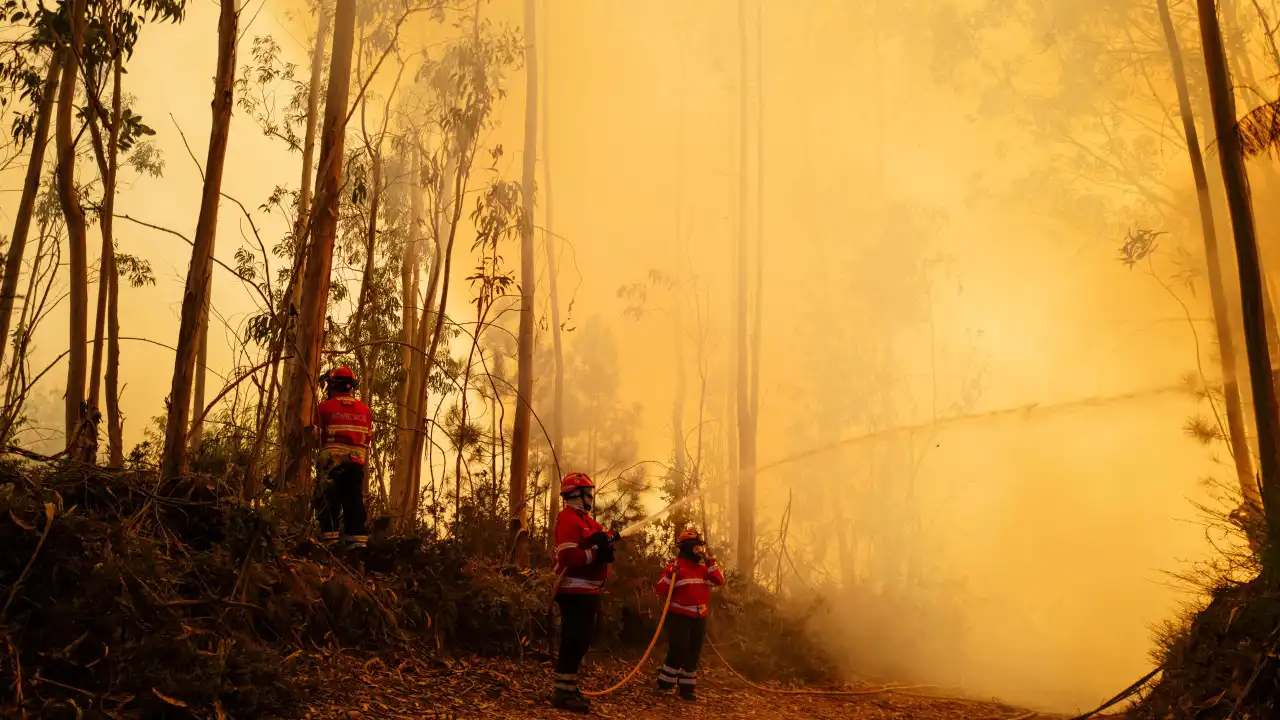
(584, 550)
(694, 574)
(345, 426)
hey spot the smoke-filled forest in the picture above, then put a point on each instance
(718, 359)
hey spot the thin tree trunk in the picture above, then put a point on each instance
(27, 204)
(677, 310)
(77, 239)
(553, 280)
(401, 480)
(1236, 431)
(293, 294)
(516, 500)
(408, 299)
(315, 290)
(746, 430)
(366, 281)
(174, 461)
(1235, 177)
(196, 435)
(115, 424)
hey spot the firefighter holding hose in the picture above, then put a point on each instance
(584, 550)
(694, 573)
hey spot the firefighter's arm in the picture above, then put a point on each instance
(664, 582)
(569, 552)
(715, 576)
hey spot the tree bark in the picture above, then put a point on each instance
(315, 289)
(196, 434)
(746, 423)
(27, 204)
(115, 424)
(1236, 179)
(553, 281)
(174, 461)
(357, 332)
(293, 294)
(1237, 433)
(409, 358)
(516, 500)
(77, 240)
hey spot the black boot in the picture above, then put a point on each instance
(665, 686)
(571, 701)
(688, 693)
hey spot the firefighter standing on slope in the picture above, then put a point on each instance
(694, 574)
(345, 425)
(584, 550)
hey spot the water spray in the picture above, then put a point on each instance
(636, 526)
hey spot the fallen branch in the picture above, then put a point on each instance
(48, 523)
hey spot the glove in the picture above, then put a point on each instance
(602, 542)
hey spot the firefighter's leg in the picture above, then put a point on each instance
(670, 672)
(353, 512)
(697, 633)
(577, 619)
(327, 508)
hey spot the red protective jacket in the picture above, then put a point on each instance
(575, 557)
(694, 581)
(345, 427)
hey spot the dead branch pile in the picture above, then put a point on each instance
(1223, 663)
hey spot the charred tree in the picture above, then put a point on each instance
(1235, 177)
(1237, 433)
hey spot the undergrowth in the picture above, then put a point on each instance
(123, 597)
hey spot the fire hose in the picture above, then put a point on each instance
(643, 658)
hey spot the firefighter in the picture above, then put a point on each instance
(694, 573)
(584, 550)
(345, 425)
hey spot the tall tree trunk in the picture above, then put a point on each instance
(432, 316)
(1235, 177)
(411, 360)
(516, 501)
(440, 272)
(553, 281)
(27, 204)
(758, 318)
(174, 461)
(315, 289)
(1236, 431)
(196, 434)
(107, 273)
(366, 281)
(746, 428)
(293, 294)
(77, 240)
(115, 424)
(677, 310)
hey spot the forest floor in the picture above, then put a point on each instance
(351, 686)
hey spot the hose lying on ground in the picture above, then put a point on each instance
(654, 641)
(1124, 695)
